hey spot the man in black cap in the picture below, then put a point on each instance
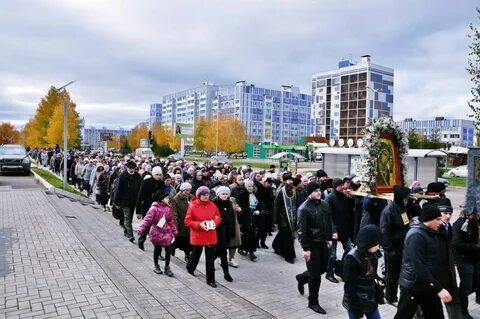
(394, 223)
(322, 178)
(466, 249)
(419, 277)
(315, 236)
(285, 218)
(126, 196)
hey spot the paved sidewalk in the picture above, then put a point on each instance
(61, 259)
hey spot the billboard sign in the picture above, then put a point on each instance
(183, 130)
(106, 136)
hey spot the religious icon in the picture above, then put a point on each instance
(388, 164)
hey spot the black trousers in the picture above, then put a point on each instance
(393, 265)
(157, 251)
(316, 266)
(469, 282)
(410, 300)
(222, 254)
(261, 224)
(210, 252)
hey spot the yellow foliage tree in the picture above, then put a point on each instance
(139, 132)
(8, 134)
(46, 127)
(115, 142)
(231, 135)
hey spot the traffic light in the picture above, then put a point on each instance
(150, 135)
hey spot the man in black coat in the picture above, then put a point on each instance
(419, 277)
(342, 216)
(148, 187)
(126, 196)
(315, 236)
(466, 249)
(394, 223)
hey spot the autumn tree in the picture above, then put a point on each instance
(9, 134)
(138, 132)
(231, 135)
(473, 68)
(115, 143)
(46, 127)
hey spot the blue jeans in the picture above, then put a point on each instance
(370, 315)
(347, 246)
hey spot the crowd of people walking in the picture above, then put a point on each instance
(220, 210)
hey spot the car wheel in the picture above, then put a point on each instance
(452, 174)
(27, 173)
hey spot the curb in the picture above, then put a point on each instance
(61, 192)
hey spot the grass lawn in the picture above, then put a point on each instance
(55, 181)
(457, 181)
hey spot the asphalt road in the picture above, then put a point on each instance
(18, 181)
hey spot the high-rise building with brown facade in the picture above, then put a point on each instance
(345, 100)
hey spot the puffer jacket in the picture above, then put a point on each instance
(160, 236)
(314, 223)
(421, 257)
(197, 212)
(360, 272)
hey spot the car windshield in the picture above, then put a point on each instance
(12, 151)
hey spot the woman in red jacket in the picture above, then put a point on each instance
(202, 218)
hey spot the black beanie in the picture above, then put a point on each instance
(321, 173)
(369, 236)
(159, 195)
(429, 213)
(336, 182)
(311, 187)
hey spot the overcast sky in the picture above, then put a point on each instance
(126, 55)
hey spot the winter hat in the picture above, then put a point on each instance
(131, 164)
(321, 173)
(311, 187)
(297, 181)
(185, 186)
(223, 190)
(369, 236)
(159, 195)
(248, 183)
(167, 176)
(286, 176)
(336, 182)
(429, 213)
(202, 190)
(157, 170)
(434, 188)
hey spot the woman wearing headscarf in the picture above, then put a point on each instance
(360, 273)
(180, 204)
(203, 218)
(102, 187)
(248, 201)
(227, 228)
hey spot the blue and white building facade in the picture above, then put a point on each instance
(456, 132)
(277, 116)
(91, 136)
(345, 100)
(155, 114)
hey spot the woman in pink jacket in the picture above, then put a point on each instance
(203, 218)
(162, 228)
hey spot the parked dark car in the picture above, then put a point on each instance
(14, 158)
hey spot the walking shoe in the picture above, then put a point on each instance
(242, 252)
(233, 263)
(157, 270)
(167, 271)
(191, 272)
(186, 259)
(317, 309)
(263, 246)
(132, 240)
(331, 278)
(228, 278)
(253, 257)
(212, 284)
(300, 287)
(290, 260)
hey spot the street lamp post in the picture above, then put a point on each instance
(65, 131)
